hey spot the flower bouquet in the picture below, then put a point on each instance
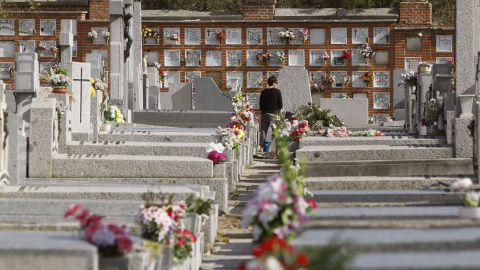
(220, 35)
(42, 47)
(11, 70)
(286, 35)
(325, 57)
(409, 79)
(111, 239)
(338, 132)
(470, 198)
(92, 34)
(161, 73)
(425, 67)
(298, 129)
(304, 33)
(320, 86)
(215, 153)
(346, 80)
(330, 79)
(173, 37)
(54, 50)
(113, 114)
(157, 38)
(367, 77)
(346, 55)
(228, 137)
(281, 57)
(366, 51)
(146, 33)
(58, 79)
(106, 36)
(60, 109)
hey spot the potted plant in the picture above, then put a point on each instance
(425, 67)
(220, 35)
(58, 79)
(470, 199)
(325, 58)
(286, 35)
(367, 77)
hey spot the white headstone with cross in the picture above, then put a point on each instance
(80, 87)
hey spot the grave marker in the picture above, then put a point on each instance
(382, 58)
(210, 36)
(411, 63)
(7, 48)
(296, 89)
(297, 36)
(273, 73)
(234, 74)
(208, 96)
(380, 117)
(151, 40)
(444, 43)
(26, 46)
(317, 36)
(360, 35)
(381, 35)
(273, 38)
(339, 36)
(99, 39)
(4, 69)
(7, 27)
(339, 95)
(172, 58)
(254, 79)
(172, 77)
(48, 27)
(234, 35)
(443, 60)
(193, 36)
(413, 44)
(153, 56)
(381, 79)
(193, 57)
(358, 59)
(254, 36)
(80, 87)
(234, 57)
(316, 76)
(336, 58)
(338, 78)
(252, 57)
(316, 57)
(296, 57)
(178, 97)
(254, 100)
(192, 75)
(48, 44)
(171, 32)
(214, 58)
(275, 60)
(26, 27)
(381, 100)
(66, 42)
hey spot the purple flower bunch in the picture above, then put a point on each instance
(217, 157)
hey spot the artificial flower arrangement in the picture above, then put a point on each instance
(330, 79)
(58, 77)
(216, 153)
(113, 114)
(325, 57)
(366, 51)
(164, 223)
(304, 33)
(299, 129)
(424, 64)
(275, 253)
(60, 109)
(320, 86)
(161, 73)
(11, 70)
(433, 109)
(111, 239)
(243, 109)
(173, 37)
(53, 49)
(337, 132)
(286, 35)
(409, 79)
(228, 137)
(92, 34)
(42, 46)
(106, 36)
(281, 56)
(367, 77)
(156, 35)
(264, 56)
(220, 35)
(470, 198)
(346, 55)
(346, 80)
(146, 32)
(361, 133)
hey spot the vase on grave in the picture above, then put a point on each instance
(259, 40)
(325, 61)
(59, 90)
(106, 127)
(260, 61)
(157, 40)
(11, 74)
(287, 41)
(268, 62)
(239, 62)
(145, 40)
(469, 212)
(466, 102)
(422, 130)
(425, 69)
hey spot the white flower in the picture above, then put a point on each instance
(257, 232)
(461, 184)
(254, 264)
(249, 214)
(271, 263)
(215, 146)
(268, 213)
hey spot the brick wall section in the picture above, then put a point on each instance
(415, 13)
(98, 10)
(258, 9)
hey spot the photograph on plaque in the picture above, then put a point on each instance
(316, 76)
(273, 36)
(380, 118)
(316, 57)
(213, 58)
(317, 36)
(193, 36)
(254, 36)
(381, 79)
(26, 46)
(193, 58)
(48, 44)
(296, 57)
(252, 57)
(7, 27)
(211, 37)
(443, 60)
(275, 60)
(381, 100)
(273, 73)
(356, 80)
(360, 35)
(234, 74)
(336, 58)
(338, 78)
(339, 95)
(26, 27)
(411, 63)
(172, 77)
(190, 76)
(358, 59)
(382, 58)
(99, 39)
(172, 58)
(74, 49)
(171, 36)
(381, 35)
(48, 27)
(444, 43)
(254, 79)
(234, 58)
(339, 36)
(234, 35)
(413, 44)
(7, 49)
(152, 57)
(5, 70)
(150, 40)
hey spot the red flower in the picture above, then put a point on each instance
(124, 243)
(93, 219)
(309, 104)
(346, 55)
(257, 251)
(312, 203)
(302, 259)
(82, 215)
(181, 242)
(243, 265)
(90, 231)
(72, 209)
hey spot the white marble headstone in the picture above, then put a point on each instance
(356, 81)
(381, 100)
(99, 39)
(252, 57)
(150, 40)
(234, 57)
(234, 36)
(316, 57)
(192, 75)
(381, 35)
(254, 100)
(5, 69)
(7, 48)
(234, 74)
(193, 36)
(359, 35)
(411, 63)
(296, 57)
(172, 58)
(336, 58)
(49, 44)
(48, 27)
(443, 60)
(316, 76)
(254, 36)
(172, 77)
(152, 57)
(275, 61)
(26, 46)
(317, 36)
(444, 43)
(297, 36)
(358, 59)
(381, 79)
(194, 57)
(254, 79)
(26, 27)
(273, 73)
(339, 36)
(273, 37)
(210, 37)
(338, 78)
(214, 58)
(7, 27)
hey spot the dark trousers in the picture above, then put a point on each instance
(265, 124)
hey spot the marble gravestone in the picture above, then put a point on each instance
(234, 74)
(252, 57)
(178, 97)
(275, 60)
(48, 27)
(338, 78)
(296, 90)
(233, 35)
(381, 100)
(360, 35)
(172, 58)
(208, 96)
(26, 27)
(7, 27)
(444, 43)
(381, 35)
(254, 100)
(193, 36)
(296, 58)
(273, 37)
(172, 77)
(336, 58)
(317, 36)
(316, 57)
(193, 57)
(99, 39)
(381, 79)
(382, 58)
(411, 63)
(254, 36)
(358, 59)
(316, 76)
(254, 79)
(234, 57)
(80, 87)
(356, 80)
(273, 73)
(210, 36)
(4, 69)
(339, 36)
(7, 48)
(351, 111)
(214, 58)
(192, 75)
(26, 46)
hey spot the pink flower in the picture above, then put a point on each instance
(91, 230)
(82, 215)
(312, 203)
(93, 219)
(216, 157)
(461, 184)
(124, 243)
(72, 209)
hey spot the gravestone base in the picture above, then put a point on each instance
(463, 138)
(450, 116)
(182, 118)
(351, 111)
(16, 149)
(399, 114)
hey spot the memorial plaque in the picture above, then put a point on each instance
(316, 76)
(273, 37)
(359, 95)
(45, 68)
(48, 44)
(74, 27)
(103, 53)
(339, 36)
(358, 59)
(297, 36)
(26, 27)
(74, 49)
(254, 36)
(193, 36)
(296, 57)
(357, 81)
(152, 57)
(316, 57)
(338, 78)
(273, 73)
(214, 58)
(150, 40)
(317, 36)
(48, 27)
(172, 77)
(234, 74)
(381, 79)
(216, 77)
(192, 75)
(444, 43)
(234, 57)
(360, 35)
(210, 37)
(413, 44)
(252, 57)
(339, 95)
(442, 60)
(5, 70)
(275, 60)
(194, 57)
(169, 33)
(26, 46)
(254, 100)
(254, 79)
(100, 39)
(411, 63)
(381, 35)
(172, 58)
(380, 118)
(7, 27)
(234, 35)
(382, 58)
(381, 100)
(336, 58)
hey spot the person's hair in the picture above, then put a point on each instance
(272, 80)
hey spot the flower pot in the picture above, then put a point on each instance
(157, 40)
(304, 41)
(422, 130)
(59, 90)
(145, 40)
(239, 62)
(268, 62)
(469, 212)
(11, 74)
(466, 101)
(424, 69)
(106, 127)
(287, 41)
(325, 62)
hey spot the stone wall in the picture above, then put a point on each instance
(415, 13)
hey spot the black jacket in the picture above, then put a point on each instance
(271, 100)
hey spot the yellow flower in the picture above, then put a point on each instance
(92, 88)
(241, 135)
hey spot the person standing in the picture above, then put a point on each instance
(270, 103)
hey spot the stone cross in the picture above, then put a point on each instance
(66, 42)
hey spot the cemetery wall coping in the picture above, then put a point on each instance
(51, 3)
